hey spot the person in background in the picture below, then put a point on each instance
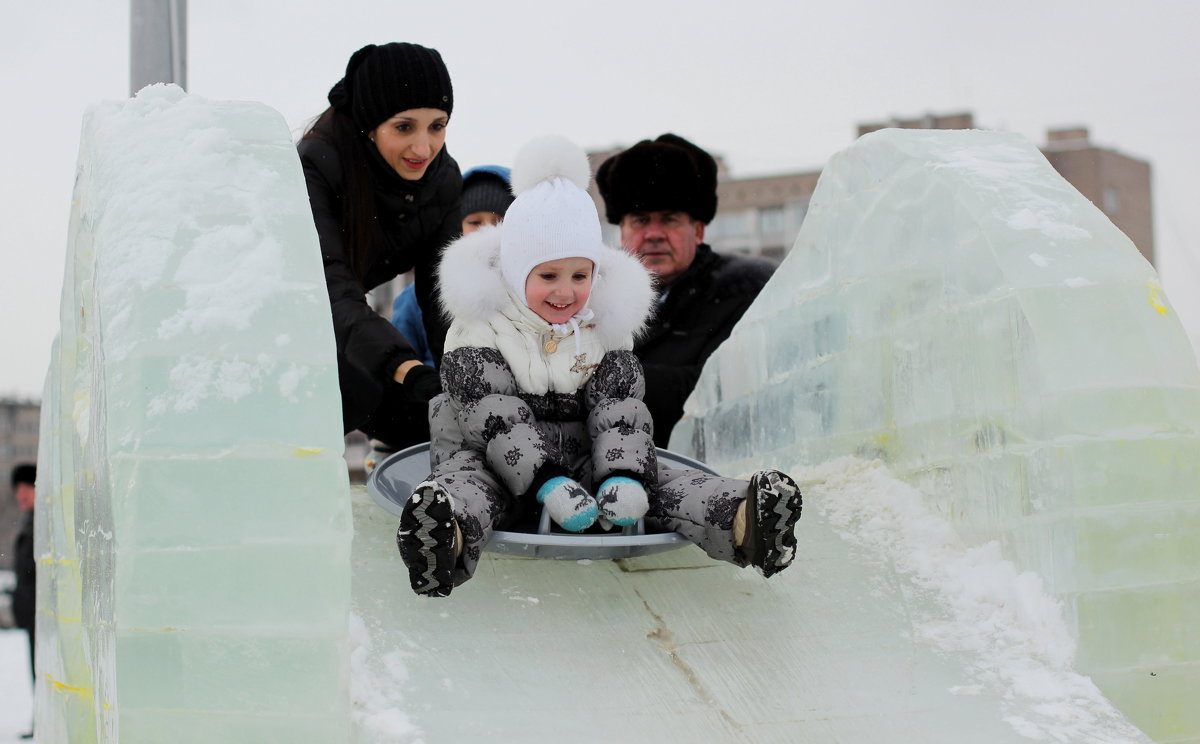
(385, 197)
(486, 194)
(24, 594)
(662, 194)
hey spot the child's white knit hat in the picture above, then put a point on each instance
(553, 216)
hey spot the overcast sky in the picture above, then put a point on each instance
(772, 86)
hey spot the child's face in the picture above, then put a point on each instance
(558, 290)
(476, 220)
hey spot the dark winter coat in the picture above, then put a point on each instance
(529, 409)
(698, 313)
(416, 219)
(24, 594)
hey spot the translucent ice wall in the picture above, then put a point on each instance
(955, 308)
(193, 519)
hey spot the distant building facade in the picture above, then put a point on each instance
(762, 216)
(1118, 184)
(19, 420)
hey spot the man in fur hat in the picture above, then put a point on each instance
(662, 194)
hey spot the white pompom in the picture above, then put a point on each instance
(550, 156)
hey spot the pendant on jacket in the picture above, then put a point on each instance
(550, 346)
(581, 364)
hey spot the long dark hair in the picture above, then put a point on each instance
(358, 193)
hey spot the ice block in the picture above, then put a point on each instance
(955, 308)
(193, 519)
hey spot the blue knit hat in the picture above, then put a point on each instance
(487, 188)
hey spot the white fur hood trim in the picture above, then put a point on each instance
(473, 289)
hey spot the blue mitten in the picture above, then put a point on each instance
(622, 500)
(570, 506)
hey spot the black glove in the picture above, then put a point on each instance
(422, 384)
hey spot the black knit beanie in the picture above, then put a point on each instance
(382, 81)
(485, 191)
(24, 473)
(667, 174)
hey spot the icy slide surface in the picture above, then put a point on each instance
(887, 630)
(207, 575)
(953, 307)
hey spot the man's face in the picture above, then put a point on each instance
(25, 496)
(665, 242)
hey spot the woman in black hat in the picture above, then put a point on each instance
(385, 198)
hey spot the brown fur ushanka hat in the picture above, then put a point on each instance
(666, 174)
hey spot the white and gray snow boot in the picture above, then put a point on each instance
(772, 508)
(427, 540)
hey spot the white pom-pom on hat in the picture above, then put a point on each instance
(550, 156)
(553, 217)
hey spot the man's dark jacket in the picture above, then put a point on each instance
(699, 312)
(24, 594)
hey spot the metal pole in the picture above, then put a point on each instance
(157, 43)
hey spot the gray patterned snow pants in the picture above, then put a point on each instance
(698, 505)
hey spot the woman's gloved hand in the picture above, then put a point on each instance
(422, 384)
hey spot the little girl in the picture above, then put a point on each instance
(543, 396)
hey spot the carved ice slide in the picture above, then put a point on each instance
(208, 576)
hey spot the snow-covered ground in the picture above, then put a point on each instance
(16, 693)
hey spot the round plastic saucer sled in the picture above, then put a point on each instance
(392, 482)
